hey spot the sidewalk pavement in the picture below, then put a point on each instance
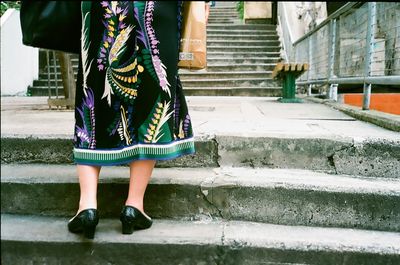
(228, 116)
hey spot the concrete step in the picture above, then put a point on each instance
(220, 73)
(227, 146)
(43, 82)
(243, 43)
(47, 241)
(226, 14)
(241, 37)
(215, 59)
(255, 91)
(214, 67)
(231, 31)
(224, 48)
(241, 54)
(197, 75)
(231, 82)
(226, 20)
(43, 91)
(212, 57)
(44, 77)
(241, 26)
(234, 91)
(57, 149)
(289, 197)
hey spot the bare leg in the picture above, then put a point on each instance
(140, 174)
(88, 179)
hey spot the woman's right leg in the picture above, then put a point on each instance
(88, 179)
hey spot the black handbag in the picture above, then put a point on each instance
(54, 25)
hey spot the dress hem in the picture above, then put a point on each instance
(132, 153)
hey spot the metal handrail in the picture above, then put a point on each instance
(321, 45)
(347, 7)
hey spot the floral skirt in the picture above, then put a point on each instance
(129, 99)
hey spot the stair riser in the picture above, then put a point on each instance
(242, 26)
(230, 83)
(221, 48)
(239, 61)
(233, 20)
(211, 37)
(240, 67)
(276, 205)
(239, 32)
(223, 15)
(213, 59)
(236, 65)
(44, 91)
(375, 159)
(218, 76)
(193, 91)
(256, 92)
(241, 54)
(44, 83)
(233, 253)
(59, 151)
(245, 43)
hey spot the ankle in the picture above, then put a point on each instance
(137, 205)
(85, 206)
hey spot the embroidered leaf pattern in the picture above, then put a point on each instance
(156, 126)
(86, 133)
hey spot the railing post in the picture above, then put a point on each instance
(369, 51)
(310, 65)
(333, 92)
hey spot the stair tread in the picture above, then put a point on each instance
(200, 72)
(206, 232)
(233, 88)
(297, 179)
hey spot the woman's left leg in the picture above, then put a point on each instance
(140, 174)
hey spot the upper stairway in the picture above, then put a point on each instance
(240, 60)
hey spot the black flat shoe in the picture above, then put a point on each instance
(132, 219)
(86, 222)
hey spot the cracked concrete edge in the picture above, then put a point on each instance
(384, 120)
(206, 189)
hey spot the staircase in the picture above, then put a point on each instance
(240, 59)
(270, 183)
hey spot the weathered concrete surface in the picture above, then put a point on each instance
(273, 152)
(47, 241)
(59, 151)
(267, 133)
(385, 120)
(375, 158)
(291, 197)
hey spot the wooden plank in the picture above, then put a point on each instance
(296, 68)
(277, 69)
(287, 67)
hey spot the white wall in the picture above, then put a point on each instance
(301, 14)
(19, 63)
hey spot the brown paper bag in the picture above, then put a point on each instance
(193, 46)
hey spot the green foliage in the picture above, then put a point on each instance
(240, 8)
(9, 4)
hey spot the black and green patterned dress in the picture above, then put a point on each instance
(129, 100)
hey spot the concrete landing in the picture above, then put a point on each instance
(236, 116)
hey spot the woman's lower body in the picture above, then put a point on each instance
(130, 107)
